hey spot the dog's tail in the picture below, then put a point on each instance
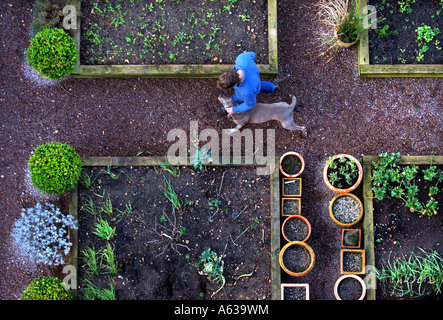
(293, 103)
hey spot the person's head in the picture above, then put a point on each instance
(228, 79)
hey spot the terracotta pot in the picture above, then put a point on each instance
(361, 252)
(283, 200)
(331, 213)
(350, 189)
(295, 285)
(311, 254)
(343, 241)
(302, 162)
(288, 219)
(286, 182)
(345, 44)
(360, 281)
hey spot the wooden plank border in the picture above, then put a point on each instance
(152, 161)
(367, 70)
(368, 221)
(176, 70)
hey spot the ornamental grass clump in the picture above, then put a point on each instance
(47, 288)
(42, 234)
(55, 167)
(52, 53)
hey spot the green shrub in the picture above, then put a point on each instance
(55, 167)
(52, 53)
(47, 288)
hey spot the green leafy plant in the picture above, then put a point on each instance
(52, 53)
(47, 288)
(92, 260)
(201, 158)
(343, 172)
(405, 5)
(391, 180)
(211, 265)
(55, 167)
(425, 34)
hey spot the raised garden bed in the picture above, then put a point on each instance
(151, 265)
(393, 51)
(391, 230)
(173, 39)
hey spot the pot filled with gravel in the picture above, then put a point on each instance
(346, 209)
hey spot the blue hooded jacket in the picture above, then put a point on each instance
(247, 90)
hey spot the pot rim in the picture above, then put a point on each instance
(296, 216)
(343, 238)
(294, 285)
(341, 224)
(356, 184)
(360, 280)
(311, 253)
(361, 251)
(289, 153)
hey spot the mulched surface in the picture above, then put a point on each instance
(121, 117)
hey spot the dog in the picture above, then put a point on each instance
(264, 112)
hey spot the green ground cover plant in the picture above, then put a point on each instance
(47, 288)
(392, 180)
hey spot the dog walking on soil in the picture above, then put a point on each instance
(264, 112)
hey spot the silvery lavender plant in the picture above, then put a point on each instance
(42, 233)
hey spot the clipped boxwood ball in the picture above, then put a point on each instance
(55, 167)
(52, 53)
(47, 288)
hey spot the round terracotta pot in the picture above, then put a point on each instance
(302, 162)
(341, 224)
(296, 217)
(350, 189)
(345, 44)
(362, 283)
(311, 253)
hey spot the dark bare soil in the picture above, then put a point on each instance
(122, 117)
(400, 44)
(155, 267)
(173, 32)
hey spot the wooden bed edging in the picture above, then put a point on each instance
(367, 70)
(368, 221)
(152, 161)
(179, 70)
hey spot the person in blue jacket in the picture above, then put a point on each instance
(245, 78)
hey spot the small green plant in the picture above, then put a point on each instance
(92, 260)
(108, 256)
(47, 288)
(201, 158)
(211, 265)
(55, 167)
(170, 193)
(93, 292)
(166, 166)
(425, 34)
(214, 207)
(343, 172)
(103, 229)
(52, 53)
(405, 5)
(384, 32)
